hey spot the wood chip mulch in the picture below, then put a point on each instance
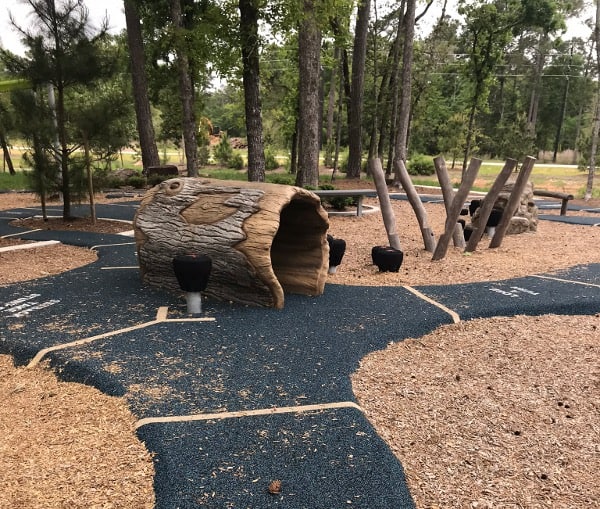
(502, 412)
(67, 445)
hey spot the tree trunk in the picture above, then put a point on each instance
(594, 149)
(251, 78)
(416, 204)
(145, 127)
(387, 212)
(262, 238)
(6, 151)
(309, 54)
(448, 194)
(535, 91)
(469, 140)
(563, 109)
(338, 128)
(357, 90)
(513, 202)
(405, 100)
(64, 153)
(294, 150)
(488, 204)
(596, 129)
(329, 138)
(454, 210)
(90, 180)
(186, 89)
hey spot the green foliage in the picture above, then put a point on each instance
(43, 179)
(420, 164)
(222, 151)
(236, 162)
(203, 155)
(16, 182)
(336, 202)
(136, 181)
(281, 178)
(155, 179)
(222, 174)
(77, 178)
(271, 162)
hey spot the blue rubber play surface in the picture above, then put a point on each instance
(99, 325)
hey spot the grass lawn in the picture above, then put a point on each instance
(568, 179)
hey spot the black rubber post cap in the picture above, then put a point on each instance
(467, 232)
(337, 248)
(495, 216)
(473, 206)
(192, 271)
(387, 258)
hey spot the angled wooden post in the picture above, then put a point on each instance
(513, 201)
(417, 205)
(389, 220)
(457, 204)
(488, 204)
(448, 194)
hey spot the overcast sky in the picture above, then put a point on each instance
(9, 38)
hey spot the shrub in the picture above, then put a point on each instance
(336, 202)
(154, 180)
(271, 162)
(223, 152)
(137, 182)
(236, 162)
(420, 165)
(203, 155)
(282, 178)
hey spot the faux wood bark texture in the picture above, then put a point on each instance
(263, 239)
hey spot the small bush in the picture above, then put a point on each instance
(336, 202)
(203, 155)
(420, 165)
(154, 180)
(282, 178)
(271, 162)
(236, 162)
(137, 182)
(223, 152)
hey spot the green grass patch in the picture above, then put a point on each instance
(16, 182)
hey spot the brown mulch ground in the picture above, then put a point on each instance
(500, 412)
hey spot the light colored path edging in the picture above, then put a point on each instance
(247, 413)
(161, 316)
(453, 314)
(31, 245)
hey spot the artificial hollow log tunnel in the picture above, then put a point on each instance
(263, 239)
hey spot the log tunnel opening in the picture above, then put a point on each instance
(299, 246)
(264, 240)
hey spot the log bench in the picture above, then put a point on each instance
(564, 197)
(359, 194)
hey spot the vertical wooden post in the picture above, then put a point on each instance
(513, 201)
(455, 208)
(448, 194)
(488, 204)
(417, 205)
(389, 220)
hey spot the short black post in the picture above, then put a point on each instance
(493, 221)
(192, 272)
(387, 258)
(473, 206)
(337, 248)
